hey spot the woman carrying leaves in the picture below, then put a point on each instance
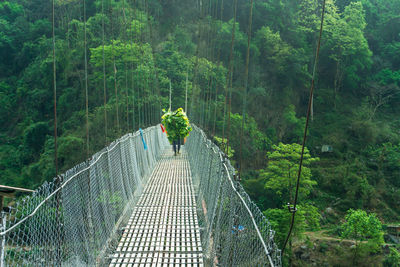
(177, 127)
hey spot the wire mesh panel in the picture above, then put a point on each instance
(234, 231)
(72, 220)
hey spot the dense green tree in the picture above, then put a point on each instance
(281, 173)
(362, 226)
(393, 259)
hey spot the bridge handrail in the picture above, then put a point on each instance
(113, 145)
(222, 156)
(74, 222)
(251, 216)
(214, 176)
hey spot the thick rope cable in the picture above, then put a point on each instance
(104, 71)
(294, 209)
(86, 82)
(54, 88)
(246, 81)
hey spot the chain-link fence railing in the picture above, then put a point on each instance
(234, 231)
(71, 221)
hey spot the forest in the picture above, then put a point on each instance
(247, 66)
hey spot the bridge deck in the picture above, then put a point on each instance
(163, 229)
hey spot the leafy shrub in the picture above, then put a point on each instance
(393, 259)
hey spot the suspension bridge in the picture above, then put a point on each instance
(131, 206)
(136, 204)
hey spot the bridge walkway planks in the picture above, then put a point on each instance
(163, 229)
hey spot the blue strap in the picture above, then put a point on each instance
(144, 142)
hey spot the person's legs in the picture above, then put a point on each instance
(179, 145)
(174, 146)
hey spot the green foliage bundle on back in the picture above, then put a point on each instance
(176, 124)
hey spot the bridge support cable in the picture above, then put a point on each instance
(52, 225)
(125, 42)
(86, 81)
(219, 63)
(104, 71)
(228, 87)
(54, 87)
(245, 89)
(133, 30)
(234, 231)
(114, 68)
(293, 208)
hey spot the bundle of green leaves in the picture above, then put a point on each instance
(176, 124)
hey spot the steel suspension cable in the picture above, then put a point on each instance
(214, 17)
(86, 81)
(210, 56)
(231, 77)
(148, 103)
(142, 113)
(157, 87)
(246, 81)
(294, 209)
(208, 104)
(205, 90)
(148, 110)
(133, 30)
(186, 90)
(115, 71)
(54, 87)
(226, 87)
(60, 179)
(192, 102)
(126, 95)
(104, 71)
(125, 28)
(137, 69)
(89, 210)
(219, 64)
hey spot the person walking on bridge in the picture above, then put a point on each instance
(177, 127)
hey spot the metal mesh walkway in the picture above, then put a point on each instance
(163, 229)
